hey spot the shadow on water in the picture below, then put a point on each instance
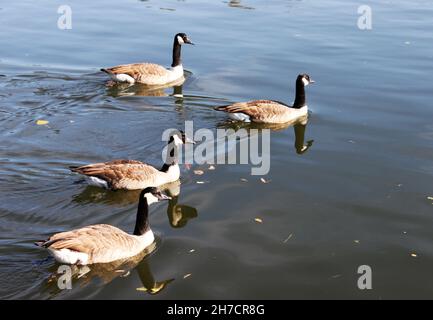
(178, 214)
(238, 4)
(104, 273)
(299, 127)
(125, 89)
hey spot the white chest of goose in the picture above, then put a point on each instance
(270, 111)
(149, 73)
(103, 243)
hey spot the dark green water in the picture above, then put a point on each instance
(358, 196)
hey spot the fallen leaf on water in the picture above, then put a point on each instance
(288, 238)
(264, 180)
(198, 172)
(258, 220)
(244, 180)
(430, 198)
(413, 255)
(191, 251)
(42, 122)
(141, 289)
(211, 168)
(356, 241)
(187, 275)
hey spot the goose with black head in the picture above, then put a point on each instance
(133, 174)
(103, 243)
(270, 111)
(149, 73)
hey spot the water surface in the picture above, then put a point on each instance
(357, 196)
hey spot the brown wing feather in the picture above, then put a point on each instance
(119, 173)
(257, 110)
(136, 70)
(96, 241)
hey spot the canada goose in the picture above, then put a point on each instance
(149, 73)
(132, 174)
(103, 243)
(269, 111)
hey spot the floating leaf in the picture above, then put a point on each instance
(244, 180)
(42, 122)
(430, 198)
(356, 241)
(258, 220)
(413, 255)
(198, 172)
(288, 238)
(264, 180)
(141, 289)
(187, 275)
(191, 251)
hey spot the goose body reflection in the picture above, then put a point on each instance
(138, 89)
(150, 284)
(270, 111)
(107, 272)
(149, 73)
(299, 127)
(238, 4)
(104, 243)
(178, 214)
(300, 145)
(132, 174)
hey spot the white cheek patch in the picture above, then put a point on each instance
(151, 198)
(180, 40)
(305, 81)
(177, 140)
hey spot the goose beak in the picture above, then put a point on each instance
(188, 140)
(162, 196)
(188, 41)
(185, 139)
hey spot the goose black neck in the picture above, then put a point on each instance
(300, 95)
(176, 53)
(142, 221)
(172, 157)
